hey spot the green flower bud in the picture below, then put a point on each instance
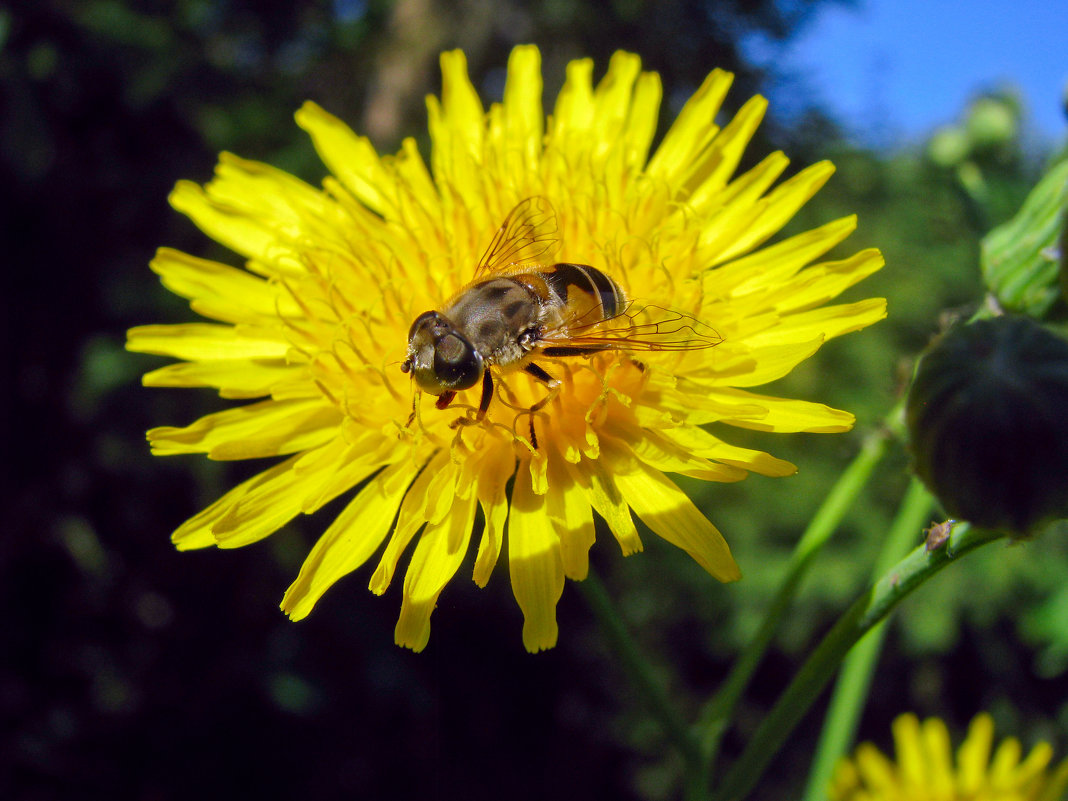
(1020, 257)
(992, 122)
(987, 416)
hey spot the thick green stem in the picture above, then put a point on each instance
(854, 681)
(641, 672)
(719, 709)
(868, 610)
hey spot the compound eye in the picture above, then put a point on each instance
(456, 362)
(425, 321)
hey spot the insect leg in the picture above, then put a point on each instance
(487, 395)
(483, 406)
(554, 389)
(415, 408)
(563, 351)
(545, 378)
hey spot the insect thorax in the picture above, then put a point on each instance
(494, 315)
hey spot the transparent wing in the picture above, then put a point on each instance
(528, 236)
(638, 328)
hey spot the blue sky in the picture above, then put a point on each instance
(893, 70)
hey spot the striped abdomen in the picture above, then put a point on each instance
(589, 296)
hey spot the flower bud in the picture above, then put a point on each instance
(992, 122)
(1020, 258)
(987, 416)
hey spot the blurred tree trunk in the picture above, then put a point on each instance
(405, 68)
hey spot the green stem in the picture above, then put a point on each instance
(853, 683)
(641, 672)
(719, 709)
(977, 194)
(868, 610)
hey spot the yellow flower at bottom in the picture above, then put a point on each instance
(315, 330)
(925, 770)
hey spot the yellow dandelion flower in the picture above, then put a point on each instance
(925, 769)
(315, 331)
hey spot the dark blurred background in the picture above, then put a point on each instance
(131, 671)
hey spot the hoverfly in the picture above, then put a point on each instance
(521, 305)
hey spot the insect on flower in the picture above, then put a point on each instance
(520, 305)
(579, 319)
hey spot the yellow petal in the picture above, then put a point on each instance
(778, 208)
(534, 563)
(573, 113)
(351, 158)
(702, 443)
(1003, 763)
(692, 131)
(254, 509)
(234, 378)
(267, 428)
(226, 226)
(612, 98)
(974, 754)
(739, 208)
(764, 270)
(414, 175)
(740, 199)
(825, 322)
(523, 115)
(1056, 784)
(725, 154)
(695, 403)
(267, 506)
(347, 463)
(607, 501)
(278, 201)
(845, 784)
(669, 512)
(207, 341)
(781, 414)
(459, 99)
(1033, 766)
(350, 540)
(440, 493)
(763, 361)
(220, 291)
(876, 770)
(823, 282)
(666, 456)
(438, 555)
(410, 518)
(640, 128)
(234, 228)
(572, 517)
(196, 532)
(909, 750)
(494, 472)
(935, 742)
(456, 125)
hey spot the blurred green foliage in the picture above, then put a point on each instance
(135, 671)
